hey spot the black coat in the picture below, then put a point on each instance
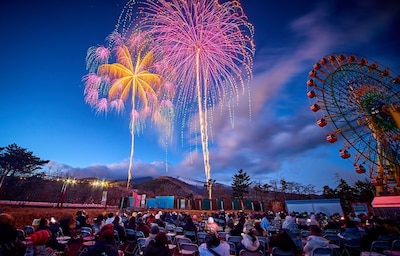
(154, 249)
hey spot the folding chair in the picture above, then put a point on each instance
(232, 249)
(178, 230)
(263, 245)
(279, 252)
(189, 249)
(117, 239)
(141, 241)
(29, 230)
(139, 234)
(222, 235)
(245, 252)
(21, 234)
(191, 235)
(201, 236)
(377, 248)
(131, 242)
(322, 252)
(395, 249)
(333, 239)
(234, 239)
(182, 240)
(299, 243)
(170, 228)
(351, 247)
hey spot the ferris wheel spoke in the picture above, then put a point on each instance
(351, 97)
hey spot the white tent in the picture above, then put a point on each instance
(326, 206)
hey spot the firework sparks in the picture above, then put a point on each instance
(210, 48)
(126, 81)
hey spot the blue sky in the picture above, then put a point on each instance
(44, 44)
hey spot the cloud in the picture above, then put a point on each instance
(280, 137)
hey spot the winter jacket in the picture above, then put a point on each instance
(314, 242)
(248, 244)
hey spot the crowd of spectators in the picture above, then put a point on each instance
(281, 230)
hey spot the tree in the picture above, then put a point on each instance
(15, 160)
(328, 192)
(262, 189)
(364, 191)
(240, 185)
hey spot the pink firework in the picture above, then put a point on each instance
(210, 48)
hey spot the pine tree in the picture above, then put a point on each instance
(240, 185)
(15, 160)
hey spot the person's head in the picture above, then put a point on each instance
(161, 239)
(212, 240)
(43, 222)
(154, 229)
(252, 235)
(316, 231)
(189, 220)
(351, 224)
(257, 225)
(107, 232)
(132, 221)
(247, 226)
(6, 219)
(116, 220)
(99, 218)
(110, 215)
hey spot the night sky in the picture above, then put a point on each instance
(44, 44)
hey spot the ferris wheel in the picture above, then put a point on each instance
(357, 103)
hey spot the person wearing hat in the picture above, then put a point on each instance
(159, 221)
(214, 246)
(315, 240)
(154, 230)
(211, 225)
(105, 245)
(249, 241)
(8, 234)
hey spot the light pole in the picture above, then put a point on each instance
(64, 191)
(103, 185)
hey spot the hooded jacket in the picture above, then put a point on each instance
(248, 244)
(314, 242)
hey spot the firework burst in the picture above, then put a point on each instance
(208, 50)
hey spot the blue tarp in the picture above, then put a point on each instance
(151, 203)
(161, 202)
(165, 202)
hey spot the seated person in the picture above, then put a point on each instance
(105, 245)
(214, 246)
(158, 246)
(315, 240)
(249, 242)
(283, 241)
